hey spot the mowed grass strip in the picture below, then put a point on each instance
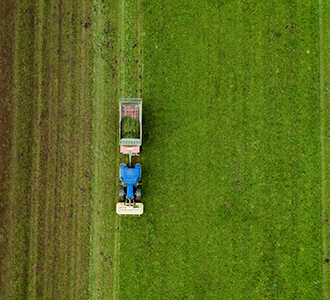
(104, 229)
(48, 199)
(231, 154)
(325, 109)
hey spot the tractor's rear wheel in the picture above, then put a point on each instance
(121, 194)
(122, 164)
(140, 171)
(138, 194)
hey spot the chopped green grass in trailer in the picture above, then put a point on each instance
(131, 128)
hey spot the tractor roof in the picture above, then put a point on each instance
(130, 175)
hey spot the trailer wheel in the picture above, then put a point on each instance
(138, 194)
(121, 194)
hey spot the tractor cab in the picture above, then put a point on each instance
(130, 177)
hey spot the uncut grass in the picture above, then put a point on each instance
(324, 92)
(231, 154)
(48, 255)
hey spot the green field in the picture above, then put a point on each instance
(235, 155)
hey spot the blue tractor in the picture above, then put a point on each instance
(130, 192)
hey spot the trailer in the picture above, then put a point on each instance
(130, 108)
(130, 141)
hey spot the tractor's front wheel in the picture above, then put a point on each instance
(121, 194)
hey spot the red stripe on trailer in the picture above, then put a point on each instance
(133, 111)
(130, 149)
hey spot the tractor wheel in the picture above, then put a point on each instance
(121, 194)
(138, 194)
(122, 164)
(140, 171)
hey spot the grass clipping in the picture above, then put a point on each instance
(130, 128)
